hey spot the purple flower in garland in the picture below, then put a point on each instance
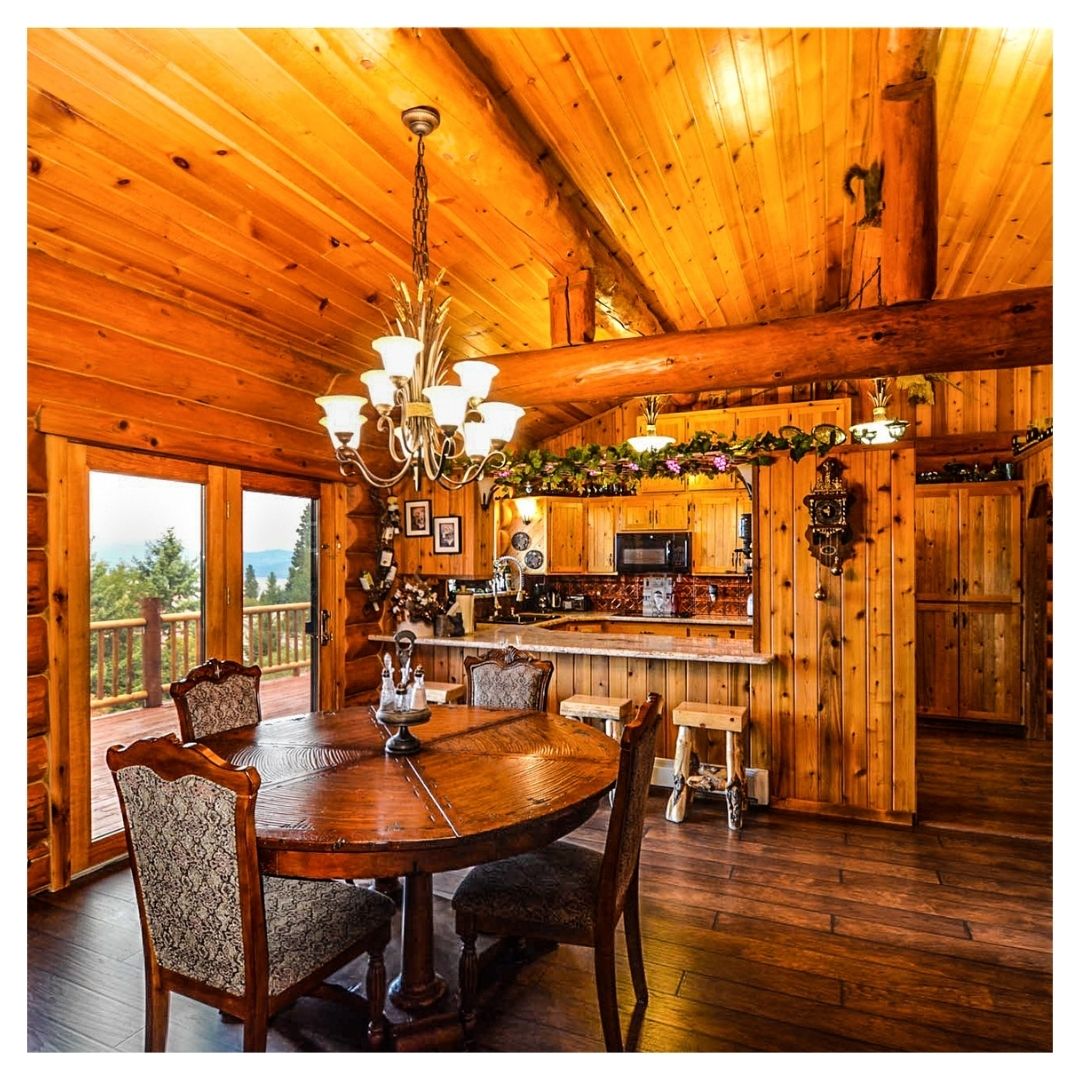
(632, 466)
(673, 466)
(502, 474)
(593, 472)
(721, 463)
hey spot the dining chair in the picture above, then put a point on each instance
(218, 695)
(214, 928)
(507, 679)
(569, 893)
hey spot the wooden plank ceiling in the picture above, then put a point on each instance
(258, 183)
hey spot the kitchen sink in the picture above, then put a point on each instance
(521, 618)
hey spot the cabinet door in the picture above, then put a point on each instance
(990, 544)
(635, 514)
(808, 414)
(937, 635)
(716, 524)
(761, 418)
(600, 548)
(990, 662)
(566, 536)
(937, 555)
(671, 514)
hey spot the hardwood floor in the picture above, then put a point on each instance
(795, 935)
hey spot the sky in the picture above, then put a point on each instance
(134, 509)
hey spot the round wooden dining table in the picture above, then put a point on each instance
(485, 784)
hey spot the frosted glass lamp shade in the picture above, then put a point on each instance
(398, 354)
(500, 419)
(342, 418)
(448, 405)
(354, 442)
(650, 440)
(379, 387)
(477, 440)
(476, 376)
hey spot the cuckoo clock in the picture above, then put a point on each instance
(829, 532)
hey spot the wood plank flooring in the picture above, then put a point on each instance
(796, 935)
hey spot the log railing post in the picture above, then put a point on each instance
(151, 656)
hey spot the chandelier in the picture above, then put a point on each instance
(879, 430)
(650, 409)
(449, 433)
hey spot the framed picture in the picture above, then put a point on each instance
(448, 535)
(418, 518)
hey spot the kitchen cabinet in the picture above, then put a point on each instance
(967, 543)
(968, 626)
(714, 519)
(601, 517)
(644, 513)
(566, 536)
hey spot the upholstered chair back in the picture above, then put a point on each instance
(216, 696)
(507, 680)
(191, 840)
(627, 824)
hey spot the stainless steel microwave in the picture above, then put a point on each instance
(652, 552)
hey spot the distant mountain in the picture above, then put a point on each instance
(275, 559)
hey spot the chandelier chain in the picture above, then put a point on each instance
(420, 216)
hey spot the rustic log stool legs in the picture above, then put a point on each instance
(691, 774)
(615, 713)
(444, 693)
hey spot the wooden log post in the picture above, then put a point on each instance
(151, 652)
(572, 308)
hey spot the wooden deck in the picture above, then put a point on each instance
(795, 935)
(279, 697)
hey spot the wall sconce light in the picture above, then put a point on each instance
(526, 509)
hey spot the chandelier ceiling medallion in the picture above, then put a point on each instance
(449, 433)
(879, 430)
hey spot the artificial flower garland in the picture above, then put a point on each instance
(612, 470)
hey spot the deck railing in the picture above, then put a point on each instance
(135, 660)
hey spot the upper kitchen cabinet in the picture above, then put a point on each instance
(968, 543)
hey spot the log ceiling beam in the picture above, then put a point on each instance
(995, 330)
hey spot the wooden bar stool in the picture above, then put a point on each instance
(691, 774)
(444, 693)
(615, 712)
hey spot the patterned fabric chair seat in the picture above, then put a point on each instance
(310, 922)
(554, 887)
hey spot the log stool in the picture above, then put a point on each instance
(693, 775)
(444, 693)
(614, 711)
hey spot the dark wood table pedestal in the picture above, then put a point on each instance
(419, 986)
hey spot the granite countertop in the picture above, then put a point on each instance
(651, 647)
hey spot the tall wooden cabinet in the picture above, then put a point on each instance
(968, 629)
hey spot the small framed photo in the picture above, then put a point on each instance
(447, 535)
(418, 518)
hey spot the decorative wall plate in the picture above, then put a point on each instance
(534, 559)
(519, 541)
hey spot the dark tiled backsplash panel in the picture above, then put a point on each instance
(623, 595)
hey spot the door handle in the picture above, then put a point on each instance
(955, 619)
(955, 586)
(963, 619)
(323, 634)
(963, 587)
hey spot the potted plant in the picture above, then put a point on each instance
(414, 606)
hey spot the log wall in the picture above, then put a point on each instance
(37, 665)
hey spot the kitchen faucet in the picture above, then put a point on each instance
(515, 561)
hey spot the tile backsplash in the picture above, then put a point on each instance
(624, 594)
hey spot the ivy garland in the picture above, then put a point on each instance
(615, 470)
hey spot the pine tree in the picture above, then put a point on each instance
(298, 585)
(251, 584)
(272, 594)
(166, 573)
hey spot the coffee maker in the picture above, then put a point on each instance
(743, 556)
